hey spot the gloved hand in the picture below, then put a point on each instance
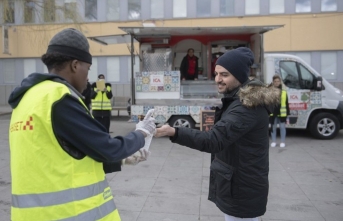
(139, 156)
(147, 125)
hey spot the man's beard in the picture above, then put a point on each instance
(231, 87)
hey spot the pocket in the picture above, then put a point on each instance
(223, 178)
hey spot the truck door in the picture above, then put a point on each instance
(300, 83)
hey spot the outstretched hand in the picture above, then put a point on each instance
(165, 130)
(147, 126)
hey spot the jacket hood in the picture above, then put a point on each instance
(33, 79)
(255, 93)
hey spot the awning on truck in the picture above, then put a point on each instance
(141, 34)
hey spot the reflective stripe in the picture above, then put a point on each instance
(60, 197)
(94, 214)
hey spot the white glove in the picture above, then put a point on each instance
(134, 159)
(147, 125)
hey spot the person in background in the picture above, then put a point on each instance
(189, 66)
(57, 148)
(238, 141)
(87, 93)
(279, 115)
(101, 103)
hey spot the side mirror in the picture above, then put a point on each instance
(318, 83)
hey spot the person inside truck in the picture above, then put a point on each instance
(279, 115)
(238, 140)
(189, 66)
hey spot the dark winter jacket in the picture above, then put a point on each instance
(87, 93)
(239, 144)
(184, 68)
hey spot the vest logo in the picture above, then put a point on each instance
(28, 125)
(22, 125)
(107, 194)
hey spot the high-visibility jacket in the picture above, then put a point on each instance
(47, 183)
(101, 102)
(283, 104)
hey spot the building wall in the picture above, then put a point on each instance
(315, 35)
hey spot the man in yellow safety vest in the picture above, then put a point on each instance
(57, 148)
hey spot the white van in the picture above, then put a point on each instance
(314, 103)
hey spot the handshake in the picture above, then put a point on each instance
(148, 128)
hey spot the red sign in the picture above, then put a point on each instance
(297, 106)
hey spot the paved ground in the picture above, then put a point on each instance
(306, 181)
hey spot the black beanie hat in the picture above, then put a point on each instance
(72, 43)
(238, 62)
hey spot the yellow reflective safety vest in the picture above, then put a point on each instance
(47, 183)
(283, 105)
(101, 102)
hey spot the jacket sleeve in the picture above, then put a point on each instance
(93, 92)
(232, 126)
(287, 106)
(109, 92)
(196, 68)
(183, 67)
(74, 125)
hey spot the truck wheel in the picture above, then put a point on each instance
(181, 121)
(324, 126)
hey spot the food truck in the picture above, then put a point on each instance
(314, 103)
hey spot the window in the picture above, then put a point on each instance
(302, 6)
(91, 10)
(9, 70)
(203, 8)
(113, 8)
(113, 69)
(134, 8)
(8, 11)
(252, 7)
(276, 6)
(179, 8)
(29, 66)
(289, 74)
(157, 9)
(306, 78)
(93, 72)
(29, 12)
(329, 65)
(329, 5)
(70, 10)
(227, 7)
(49, 7)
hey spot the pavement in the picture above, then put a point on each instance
(306, 180)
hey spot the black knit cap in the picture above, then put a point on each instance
(238, 62)
(72, 43)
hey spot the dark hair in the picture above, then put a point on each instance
(100, 76)
(190, 49)
(56, 61)
(276, 77)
